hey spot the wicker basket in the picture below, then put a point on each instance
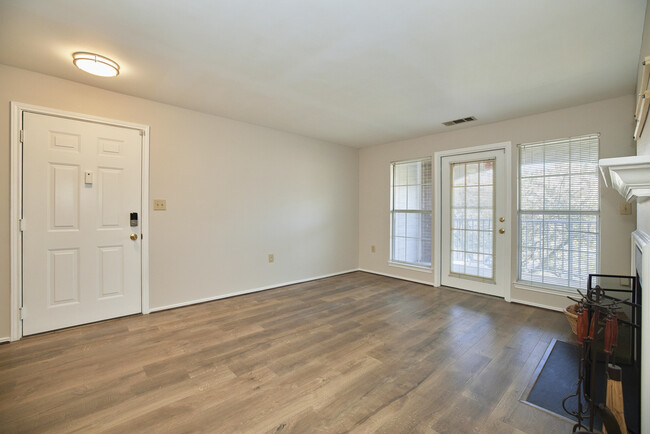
(572, 317)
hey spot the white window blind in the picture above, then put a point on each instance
(559, 211)
(411, 212)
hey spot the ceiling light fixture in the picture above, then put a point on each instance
(95, 64)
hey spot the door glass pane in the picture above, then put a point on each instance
(472, 218)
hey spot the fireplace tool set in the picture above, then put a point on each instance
(598, 319)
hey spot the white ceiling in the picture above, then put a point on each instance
(356, 72)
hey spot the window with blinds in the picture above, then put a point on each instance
(411, 213)
(559, 211)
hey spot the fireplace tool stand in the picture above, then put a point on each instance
(597, 319)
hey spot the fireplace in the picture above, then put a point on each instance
(633, 350)
(602, 290)
(641, 268)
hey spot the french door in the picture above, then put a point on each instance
(473, 217)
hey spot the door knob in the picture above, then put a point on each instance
(134, 237)
(502, 219)
(502, 231)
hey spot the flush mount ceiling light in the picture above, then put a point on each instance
(95, 64)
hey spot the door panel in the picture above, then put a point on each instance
(473, 199)
(79, 264)
(64, 276)
(110, 197)
(64, 196)
(111, 271)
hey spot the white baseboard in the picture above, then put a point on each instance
(396, 277)
(247, 291)
(513, 300)
(530, 303)
(7, 339)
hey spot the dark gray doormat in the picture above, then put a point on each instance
(557, 375)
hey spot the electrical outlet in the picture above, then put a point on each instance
(625, 208)
(372, 249)
(271, 258)
(159, 204)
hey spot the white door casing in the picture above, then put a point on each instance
(474, 251)
(77, 261)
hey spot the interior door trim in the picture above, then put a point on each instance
(437, 208)
(15, 243)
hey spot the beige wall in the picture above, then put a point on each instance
(612, 118)
(235, 192)
(643, 144)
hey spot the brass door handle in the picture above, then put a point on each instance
(502, 219)
(134, 237)
(502, 231)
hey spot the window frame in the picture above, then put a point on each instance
(403, 264)
(543, 286)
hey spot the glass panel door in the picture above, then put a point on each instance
(472, 218)
(474, 240)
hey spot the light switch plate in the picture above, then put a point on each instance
(159, 204)
(625, 208)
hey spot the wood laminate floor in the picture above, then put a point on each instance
(356, 352)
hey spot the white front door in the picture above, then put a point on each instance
(81, 180)
(473, 214)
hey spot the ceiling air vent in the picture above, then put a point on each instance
(459, 121)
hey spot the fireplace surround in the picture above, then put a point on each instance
(641, 268)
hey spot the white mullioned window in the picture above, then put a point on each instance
(559, 211)
(410, 211)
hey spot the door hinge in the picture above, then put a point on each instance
(22, 136)
(21, 224)
(23, 313)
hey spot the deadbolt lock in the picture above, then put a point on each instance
(502, 219)
(134, 237)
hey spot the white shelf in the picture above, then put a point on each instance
(643, 100)
(642, 113)
(645, 76)
(630, 176)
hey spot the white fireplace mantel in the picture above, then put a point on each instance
(630, 176)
